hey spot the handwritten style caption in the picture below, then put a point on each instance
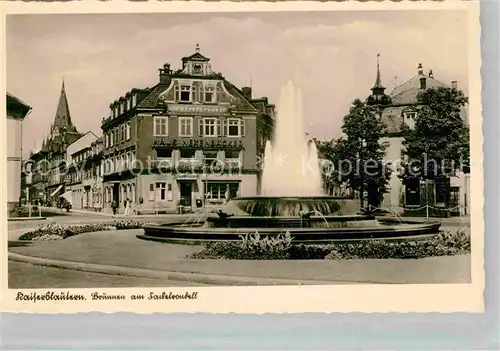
(68, 296)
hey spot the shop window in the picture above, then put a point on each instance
(219, 191)
(209, 157)
(164, 153)
(187, 153)
(232, 154)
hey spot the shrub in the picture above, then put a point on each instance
(54, 231)
(250, 247)
(255, 247)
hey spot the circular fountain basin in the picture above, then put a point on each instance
(340, 222)
(269, 206)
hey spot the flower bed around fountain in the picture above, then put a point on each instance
(255, 247)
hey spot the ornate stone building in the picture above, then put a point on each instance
(193, 137)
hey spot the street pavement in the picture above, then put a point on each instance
(28, 276)
(123, 249)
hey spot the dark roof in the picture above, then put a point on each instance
(62, 118)
(406, 93)
(151, 100)
(16, 107)
(242, 103)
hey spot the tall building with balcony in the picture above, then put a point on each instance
(193, 136)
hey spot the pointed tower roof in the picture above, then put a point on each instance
(378, 80)
(378, 95)
(62, 118)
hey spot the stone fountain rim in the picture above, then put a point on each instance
(322, 197)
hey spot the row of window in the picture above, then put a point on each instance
(124, 105)
(117, 135)
(162, 191)
(207, 127)
(192, 93)
(126, 191)
(191, 154)
(119, 163)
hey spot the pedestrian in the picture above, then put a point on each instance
(127, 207)
(227, 194)
(114, 206)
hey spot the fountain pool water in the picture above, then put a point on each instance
(292, 198)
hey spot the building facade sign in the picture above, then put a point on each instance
(198, 143)
(193, 109)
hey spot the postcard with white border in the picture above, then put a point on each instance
(242, 157)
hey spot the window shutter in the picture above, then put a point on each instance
(219, 127)
(200, 127)
(242, 127)
(151, 192)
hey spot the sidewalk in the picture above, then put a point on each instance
(121, 215)
(20, 219)
(121, 252)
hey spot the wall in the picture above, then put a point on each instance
(248, 187)
(79, 144)
(14, 139)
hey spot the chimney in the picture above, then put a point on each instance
(165, 73)
(247, 92)
(420, 69)
(454, 84)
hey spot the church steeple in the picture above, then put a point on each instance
(62, 119)
(378, 96)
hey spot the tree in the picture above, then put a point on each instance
(438, 145)
(358, 155)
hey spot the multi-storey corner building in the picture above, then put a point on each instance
(193, 136)
(17, 110)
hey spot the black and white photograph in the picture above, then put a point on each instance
(180, 151)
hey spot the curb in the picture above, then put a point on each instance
(209, 279)
(21, 219)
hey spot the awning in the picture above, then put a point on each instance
(57, 190)
(68, 196)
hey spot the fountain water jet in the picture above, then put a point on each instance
(291, 166)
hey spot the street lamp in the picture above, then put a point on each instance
(362, 142)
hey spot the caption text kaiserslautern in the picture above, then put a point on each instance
(67, 296)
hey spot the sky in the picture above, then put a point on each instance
(331, 55)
